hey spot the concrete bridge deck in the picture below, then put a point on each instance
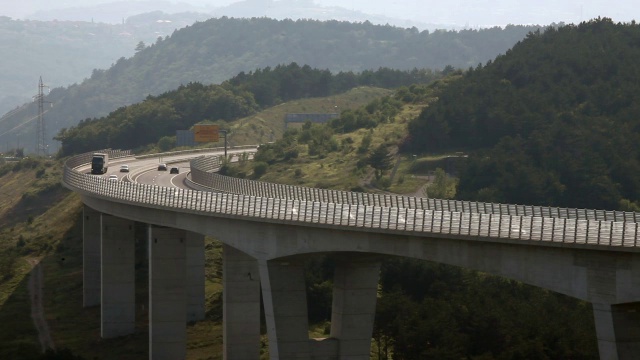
(266, 238)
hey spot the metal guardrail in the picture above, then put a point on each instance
(377, 218)
(202, 172)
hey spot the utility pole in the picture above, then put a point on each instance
(41, 146)
(225, 143)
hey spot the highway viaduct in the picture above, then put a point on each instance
(266, 240)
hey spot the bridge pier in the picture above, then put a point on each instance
(167, 293)
(355, 289)
(118, 277)
(618, 330)
(353, 309)
(285, 306)
(91, 242)
(241, 305)
(195, 258)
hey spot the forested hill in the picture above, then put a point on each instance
(555, 121)
(144, 123)
(217, 49)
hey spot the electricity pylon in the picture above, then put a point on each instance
(41, 146)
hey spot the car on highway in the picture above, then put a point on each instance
(113, 177)
(162, 167)
(174, 170)
(124, 168)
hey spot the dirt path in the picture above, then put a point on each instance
(37, 310)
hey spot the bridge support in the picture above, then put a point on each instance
(285, 308)
(91, 237)
(118, 277)
(241, 305)
(355, 288)
(618, 330)
(167, 293)
(195, 276)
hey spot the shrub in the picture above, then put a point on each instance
(259, 169)
(40, 173)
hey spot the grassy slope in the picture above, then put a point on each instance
(338, 169)
(268, 125)
(34, 213)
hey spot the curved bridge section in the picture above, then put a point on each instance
(203, 171)
(267, 229)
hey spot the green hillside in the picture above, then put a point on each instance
(553, 122)
(142, 124)
(212, 51)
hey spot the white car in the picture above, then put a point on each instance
(124, 168)
(113, 177)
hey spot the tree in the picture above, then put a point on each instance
(166, 143)
(381, 160)
(366, 142)
(443, 187)
(141, 46)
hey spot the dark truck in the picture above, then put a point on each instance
(99, 163)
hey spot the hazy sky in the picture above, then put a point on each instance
(457, 12)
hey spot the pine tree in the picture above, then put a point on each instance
(381, 160)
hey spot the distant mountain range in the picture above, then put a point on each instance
(406, 13)
(114, 12)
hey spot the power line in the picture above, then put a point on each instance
(22, 124)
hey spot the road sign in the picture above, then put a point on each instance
(206, 133)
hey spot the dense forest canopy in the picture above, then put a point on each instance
(217, 49)
(555, 121)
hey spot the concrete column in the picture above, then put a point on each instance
(285, 307)
(195, 276)
(355, 287)
(618, 330)
(241, 305)
(167, 294)
(91, 235)
(118, 277)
